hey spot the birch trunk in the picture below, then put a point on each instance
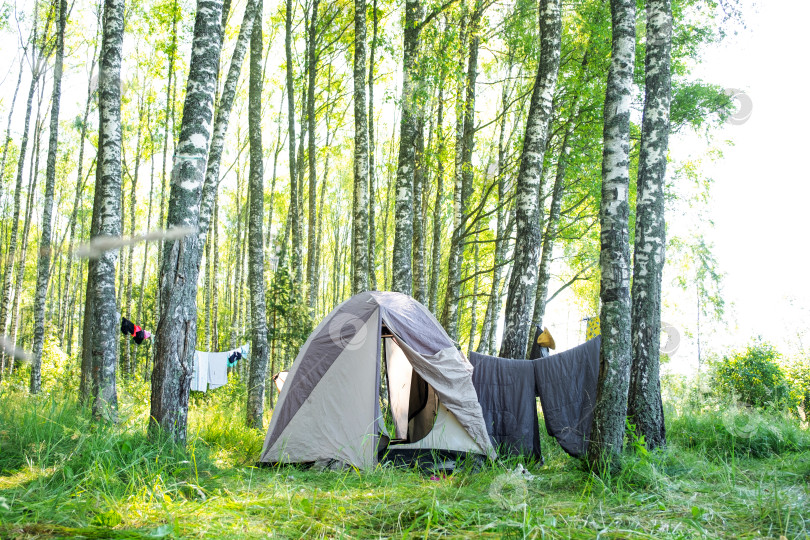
(550, 235)
(258, 310)
(401, 279)
(436, 256)
(644, 403)
(607, 432)
(312, 71)
(11, 252)
(372, 232)
(360, 225)
(223, 113)
(177, 330)
(520, 298)
(104, 316)
(464, 181)
(44, 261)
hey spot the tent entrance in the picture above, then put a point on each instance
(412, 404)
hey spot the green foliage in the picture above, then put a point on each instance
(797, 373)
(754, 375)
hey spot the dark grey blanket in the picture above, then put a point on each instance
(507, 394)
(566, 384)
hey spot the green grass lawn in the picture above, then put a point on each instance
(62, 476)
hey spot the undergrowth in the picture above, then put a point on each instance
(62, 475)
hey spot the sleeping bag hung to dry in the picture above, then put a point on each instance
(506, 392)
(566, 384)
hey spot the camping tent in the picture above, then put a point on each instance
(329, 411)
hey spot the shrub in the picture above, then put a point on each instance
(753, 376)
(798, 376)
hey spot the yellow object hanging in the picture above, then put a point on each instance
(593, 328)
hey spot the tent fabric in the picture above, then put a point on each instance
(507, 394)
(329, 407)
(566, 383)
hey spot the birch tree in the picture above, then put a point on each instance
(44, 261)
(644, 402)
(258, 310)
(607, 432)
(177, 330)
(360, 236)
(107, 216)
(520, 298)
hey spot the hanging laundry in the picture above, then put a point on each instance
(234, 358)
(128, 328)
(218, 369)
(199, 376)
(543, 341)
(593, 328)
(506, 392)
(566, 384)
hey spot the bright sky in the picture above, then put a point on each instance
(761, 188)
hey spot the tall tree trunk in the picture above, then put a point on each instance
(418, 248)
(15, 218)
(372, 232)
(464, 181)
(31, 201)
(214, 292)
(140, 315)
(177, 330)
(487, 343)
(44, 262)
(293, 164)
(436, 256)
(312, 72)
(402, 274)
(7, 139)
(171, 90)
(127, 303)
(258, 311)
(223, 112)
(360, 235)
(104, 316)
(607, 433)
(644, 402)
(474, 299)
(550, 235)
(520, 298)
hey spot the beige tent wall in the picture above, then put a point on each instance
(340, 408)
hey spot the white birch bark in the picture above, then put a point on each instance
(107, 215)
(44, 260)
(644, 403)
(520, 298)
(258, 310)
(607, 432)
(360, 236)
(177, 330)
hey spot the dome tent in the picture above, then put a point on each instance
(329, 411)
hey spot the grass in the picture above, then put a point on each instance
(61, 475)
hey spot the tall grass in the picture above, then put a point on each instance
(63, 475)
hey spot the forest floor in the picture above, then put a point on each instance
(63, 476)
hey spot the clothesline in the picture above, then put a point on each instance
(211, 368)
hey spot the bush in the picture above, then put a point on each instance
(798, 375)
(754, 376)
